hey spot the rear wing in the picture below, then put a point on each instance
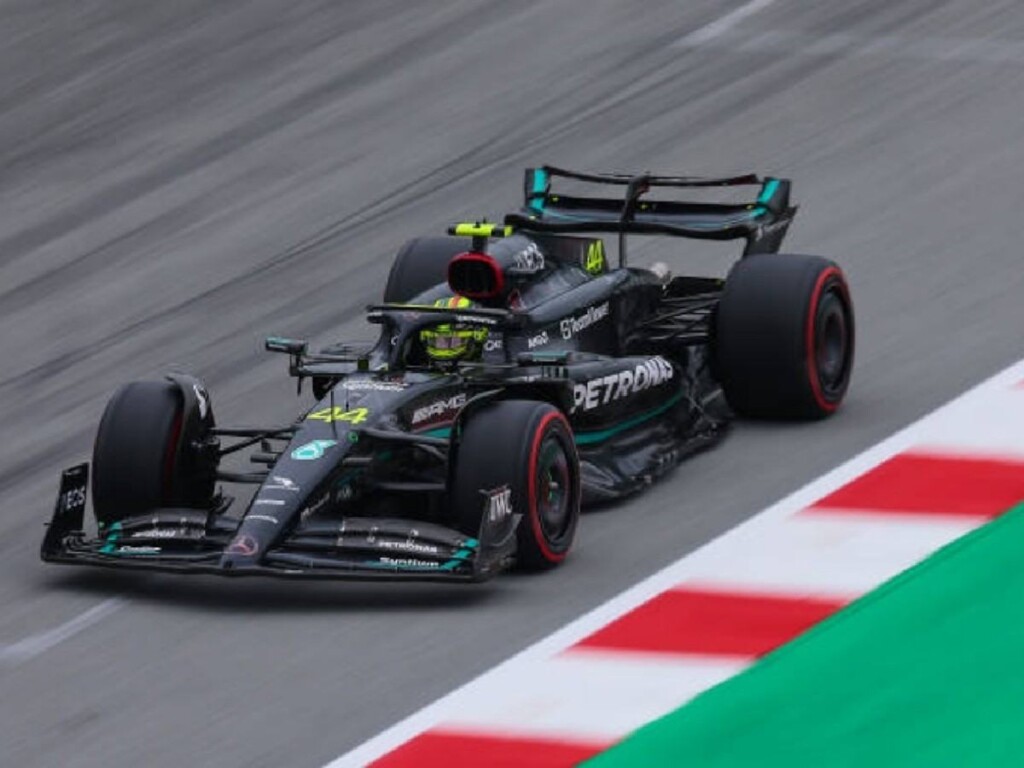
(762, 223)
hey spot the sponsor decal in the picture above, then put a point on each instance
(528, 261)
(409, 545)
(202, 399)
(438, 408)
(72, 492)
(373, 385)
(337, 413)
(571, 326)
(243, 545)
(263, 518)
(593, 262)
(494, 345)
(312, 508)
(269, 502)
(499, 504)
(537, 341)
(313, 450)
(74, 498)
(476, 319)
(130, 550)
(411, 562)
(278, 483)
(615, 386)
(158, 533)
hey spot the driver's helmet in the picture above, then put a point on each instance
(453, 341)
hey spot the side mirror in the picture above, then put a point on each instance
(287, 346)
(293, 347)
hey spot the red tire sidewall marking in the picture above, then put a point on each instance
(538, 532)
(171, 455)
(812, 311)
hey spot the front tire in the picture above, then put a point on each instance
(142, 458)
(528, 447)
(784, 337)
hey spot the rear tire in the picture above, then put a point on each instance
(527, 446)
(421, 264)
(784, 337)
(138, 458)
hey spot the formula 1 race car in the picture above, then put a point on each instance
(517, 376)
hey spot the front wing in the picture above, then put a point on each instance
(190, 541)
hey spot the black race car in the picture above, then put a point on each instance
(517, 375)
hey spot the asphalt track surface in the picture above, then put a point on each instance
(178, 180)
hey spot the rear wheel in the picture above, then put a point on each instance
(784, 337)
(524, 448)
(143, 458)
(421, 264)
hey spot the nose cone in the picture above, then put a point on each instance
(301, 472)
(304, 470)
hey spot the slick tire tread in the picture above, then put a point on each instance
(134, 455)
(767, 332)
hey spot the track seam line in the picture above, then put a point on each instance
(29, 647)
(724, 23)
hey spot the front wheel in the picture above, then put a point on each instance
(144, 456)
(520, 455)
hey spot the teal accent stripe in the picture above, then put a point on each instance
(589, 438)
(540, 182)
(768, 191)
(113, 535)
(459, 558)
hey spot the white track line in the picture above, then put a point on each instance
(723, 24)
(838, 555)
(587, 702)
(33, 645)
